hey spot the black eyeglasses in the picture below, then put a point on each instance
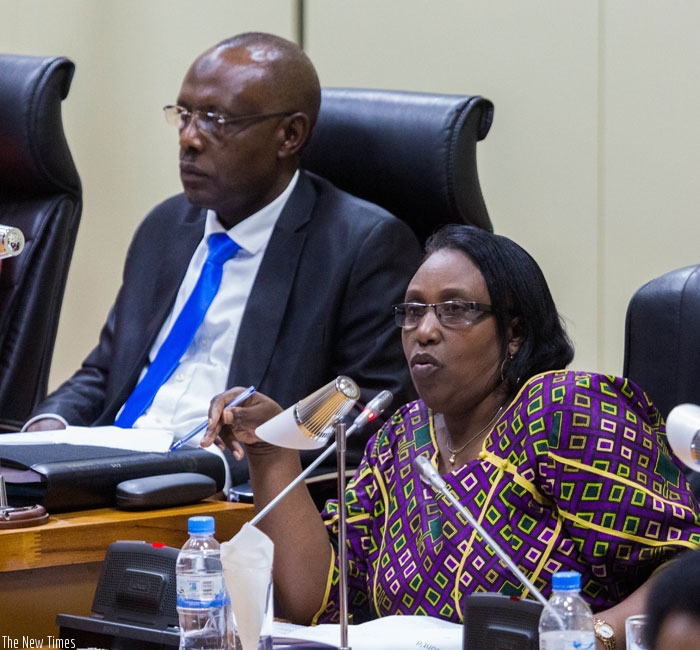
(452, 313)
(210, 123)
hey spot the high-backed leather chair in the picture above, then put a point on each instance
(662, 338)
(40, 193)
(412, 153)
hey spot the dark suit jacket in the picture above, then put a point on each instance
(320, 305)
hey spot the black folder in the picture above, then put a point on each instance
(64, 477)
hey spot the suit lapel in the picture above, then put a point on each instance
(264, 312)
(171, 270)
(170, 258)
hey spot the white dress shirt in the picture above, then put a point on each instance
(182, 402)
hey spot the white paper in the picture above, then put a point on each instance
(395, 632)
(247, 562)
(147, 440)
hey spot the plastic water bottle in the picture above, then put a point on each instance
(566, 623)
(201, 592)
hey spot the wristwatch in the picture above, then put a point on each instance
(605, 633)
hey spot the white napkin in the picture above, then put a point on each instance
(247, 562)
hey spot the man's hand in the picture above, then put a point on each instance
(46, 424)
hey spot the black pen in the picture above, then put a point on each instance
(241, 397)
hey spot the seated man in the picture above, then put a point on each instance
(307, 272)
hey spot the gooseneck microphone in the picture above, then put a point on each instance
(432, 477)
(309, 423)
(375, 407)
(11, 241)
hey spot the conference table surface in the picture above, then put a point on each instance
(53, 568)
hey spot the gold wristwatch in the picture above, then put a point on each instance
(605, 633)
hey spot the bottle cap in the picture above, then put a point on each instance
(201, 525)
(566, 581)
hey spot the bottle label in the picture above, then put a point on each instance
(200, 591)
(567, 640)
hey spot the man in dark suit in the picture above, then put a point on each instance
(306, 298)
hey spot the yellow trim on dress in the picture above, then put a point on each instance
(329, 584)
(619, 479)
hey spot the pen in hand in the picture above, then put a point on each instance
(241, 397)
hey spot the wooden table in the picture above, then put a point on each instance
(51, 569)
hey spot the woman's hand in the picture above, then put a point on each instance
(229, 427)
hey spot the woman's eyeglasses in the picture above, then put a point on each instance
(452, 313)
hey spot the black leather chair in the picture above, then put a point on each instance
(662, 342)
(412, 153)
(40, 193)
(662, 338)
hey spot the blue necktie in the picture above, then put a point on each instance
(221, 248)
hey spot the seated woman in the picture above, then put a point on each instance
(567, 470)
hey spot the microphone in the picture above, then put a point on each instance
(683, 433)
(309, 423)
(376, 406)
(432, 477)
(11, 241)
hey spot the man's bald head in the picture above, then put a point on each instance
(285, 70)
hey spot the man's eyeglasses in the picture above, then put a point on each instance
(453, 313)
(210, 123)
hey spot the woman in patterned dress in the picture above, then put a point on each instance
(566, 470)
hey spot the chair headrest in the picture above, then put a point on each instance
(34, 154)
(414, 154)
(662, 338)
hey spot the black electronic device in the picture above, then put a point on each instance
(498, 622)
(64, 477)
(134, 604)
(164, 491)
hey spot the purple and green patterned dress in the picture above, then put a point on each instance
(576, 475)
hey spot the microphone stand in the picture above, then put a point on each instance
(310, 468)
(339, 446)
(431, 476)
(341, 441)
